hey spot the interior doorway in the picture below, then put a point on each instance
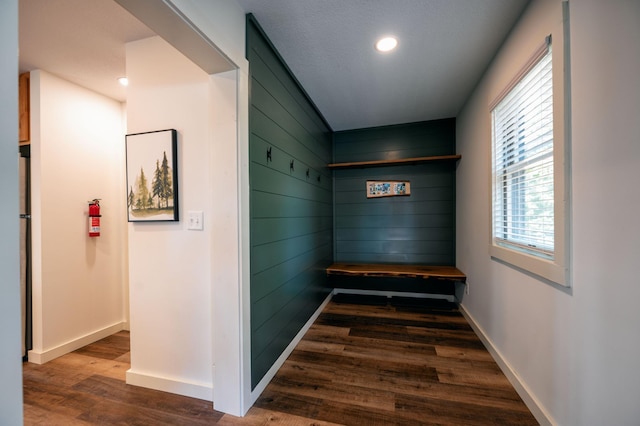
(24, 169)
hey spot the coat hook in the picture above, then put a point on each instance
(307, 173)
(318, 178)
(269, 154)
(291, 166)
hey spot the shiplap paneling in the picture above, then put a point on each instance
(419, 228)
(291, 204)
(393, 142)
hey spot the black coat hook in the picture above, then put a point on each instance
(318, 178)
(307, 173)
(291, 166)
(269, 154)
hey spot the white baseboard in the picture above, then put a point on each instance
(177, 386)
(521, 388)
(255, 393)
(49, 354)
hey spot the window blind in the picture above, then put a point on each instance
(523, 186)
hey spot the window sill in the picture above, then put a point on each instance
(545, 269)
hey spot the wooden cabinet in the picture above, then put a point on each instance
(23, 101)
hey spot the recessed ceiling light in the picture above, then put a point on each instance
(386, 44)
(123, 81)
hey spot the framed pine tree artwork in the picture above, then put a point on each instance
(152, 176)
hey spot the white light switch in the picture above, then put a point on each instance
(195, 220)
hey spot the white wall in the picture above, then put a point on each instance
(77, 154)
(223, 23)
(10, 349)
(574, 352)
(169, 265)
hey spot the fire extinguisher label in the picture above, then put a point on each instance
(94, 226)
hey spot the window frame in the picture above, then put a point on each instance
(523, 148)
(558, 269)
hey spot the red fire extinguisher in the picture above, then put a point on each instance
(94, 218)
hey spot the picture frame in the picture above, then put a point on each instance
(152, 176)
(388, 188)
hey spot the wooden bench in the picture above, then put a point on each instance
(449, 273)
(396, 278)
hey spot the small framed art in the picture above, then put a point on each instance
(389, 188)
(152, 176)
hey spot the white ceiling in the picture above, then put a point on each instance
(78, 40)
(444, 47)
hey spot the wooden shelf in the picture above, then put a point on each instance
(450, 273)
(398, 162)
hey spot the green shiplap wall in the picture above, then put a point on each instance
(419, 228)
(291, 204)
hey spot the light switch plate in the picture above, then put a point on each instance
(195, 219)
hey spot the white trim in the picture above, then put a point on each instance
(538, 411)
(559, 270)
(447, 297)
(229, 270)
(177, 386)
(170, 23)
(244, 220)
(547, 269)
(49, 354)
(255, 394)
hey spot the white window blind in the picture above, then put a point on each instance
(523, 184)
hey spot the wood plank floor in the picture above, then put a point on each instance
(359, 364)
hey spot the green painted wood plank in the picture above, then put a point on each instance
(269, 280)
(267, 255)
(267, 134)
(291, 214)
(417, 228)
(288, 320)
(394, 234)
(444, 128)
(420, 177)
(417, 247)
(262, 360)
(261, 53)
(262, 309)
(265, 179)
(407, 221)
(430, 138)
(402, 258)
(417, 195)
(266, 205)
(276, 229)
(296, 106)
(392, 209)
(285, 115)
(264, 101)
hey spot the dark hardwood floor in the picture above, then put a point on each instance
(377, 363)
